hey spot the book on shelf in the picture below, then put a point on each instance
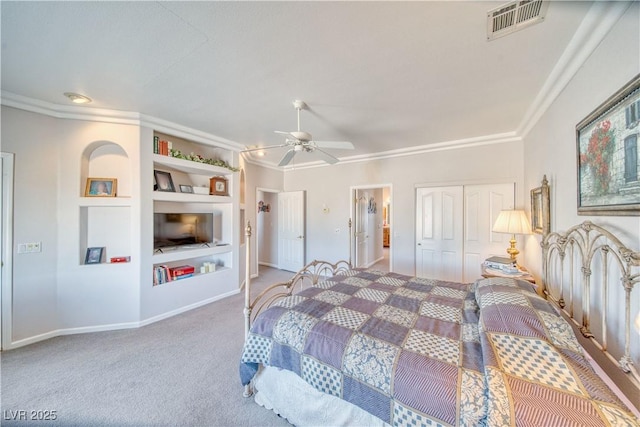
(161, 275)
(162, 147)
(180, 271)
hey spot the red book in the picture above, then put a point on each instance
(181, 270)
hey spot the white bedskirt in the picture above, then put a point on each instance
(298, 402)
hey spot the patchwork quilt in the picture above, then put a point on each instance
(415, 351)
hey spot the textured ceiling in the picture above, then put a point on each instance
(383, 75)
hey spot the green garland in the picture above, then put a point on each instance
(198, 158)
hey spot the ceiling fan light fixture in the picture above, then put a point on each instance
(76, 98)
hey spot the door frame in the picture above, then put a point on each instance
(352, 209)
(6, 277)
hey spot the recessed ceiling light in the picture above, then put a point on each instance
(76, 98)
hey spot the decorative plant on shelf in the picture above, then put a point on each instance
(198, 158)
(598, 156)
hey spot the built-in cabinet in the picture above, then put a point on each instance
(124, 226)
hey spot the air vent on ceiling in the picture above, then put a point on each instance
(515, 16)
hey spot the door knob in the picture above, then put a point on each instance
(300, 237)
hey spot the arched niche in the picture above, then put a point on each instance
(106, 159)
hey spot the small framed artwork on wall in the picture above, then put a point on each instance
(101, 187)
(540, 208)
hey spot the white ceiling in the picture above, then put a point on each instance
(383, 75)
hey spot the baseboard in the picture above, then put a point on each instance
(187, 308)
(115, 326)
(268, 264)
(374, 261)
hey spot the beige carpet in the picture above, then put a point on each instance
(181, 371)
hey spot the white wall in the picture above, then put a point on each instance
(52, 290)
(36, 141)
(331, 185)
(550, 147)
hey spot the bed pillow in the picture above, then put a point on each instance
(535, 370)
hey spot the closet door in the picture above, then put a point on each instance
(482, 204)
(439, 238)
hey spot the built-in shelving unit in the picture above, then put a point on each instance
(122, 292)
(222, 251)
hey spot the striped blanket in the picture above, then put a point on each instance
(415, 351)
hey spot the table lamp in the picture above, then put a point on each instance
(512, 222)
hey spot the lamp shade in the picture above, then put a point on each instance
(512, 222)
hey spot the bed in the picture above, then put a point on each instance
(343, 346)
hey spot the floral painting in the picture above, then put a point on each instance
(608, 162)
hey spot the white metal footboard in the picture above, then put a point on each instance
(590, 275)
(308, 276)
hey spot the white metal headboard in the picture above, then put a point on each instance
(580, 269)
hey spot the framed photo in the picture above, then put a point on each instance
(101, 187)
(607, 149)
(218, 186)
(540, 209)
(94, 255)
(163, 181)
(186, 189)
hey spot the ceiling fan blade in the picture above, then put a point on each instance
(249, 150)
(343, 145)
(326, 156)
(289, 134)
(287, 158)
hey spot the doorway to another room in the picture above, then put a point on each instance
(280, 223)
(371, 213)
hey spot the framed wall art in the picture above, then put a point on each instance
(101, 187)
(607, 149)
(540, 208)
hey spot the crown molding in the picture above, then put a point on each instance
(599, 20)
(502, 138)
(102, 115)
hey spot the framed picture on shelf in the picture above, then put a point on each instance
(218, 186)
(186, 188)
(94, 255)
(607, 152)
(163, 181)
(540, 208)
(101, 187)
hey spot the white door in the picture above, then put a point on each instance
(361, 232)
(291, 228)
(439, 246)
(482, 204)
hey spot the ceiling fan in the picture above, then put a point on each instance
(301, 141)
